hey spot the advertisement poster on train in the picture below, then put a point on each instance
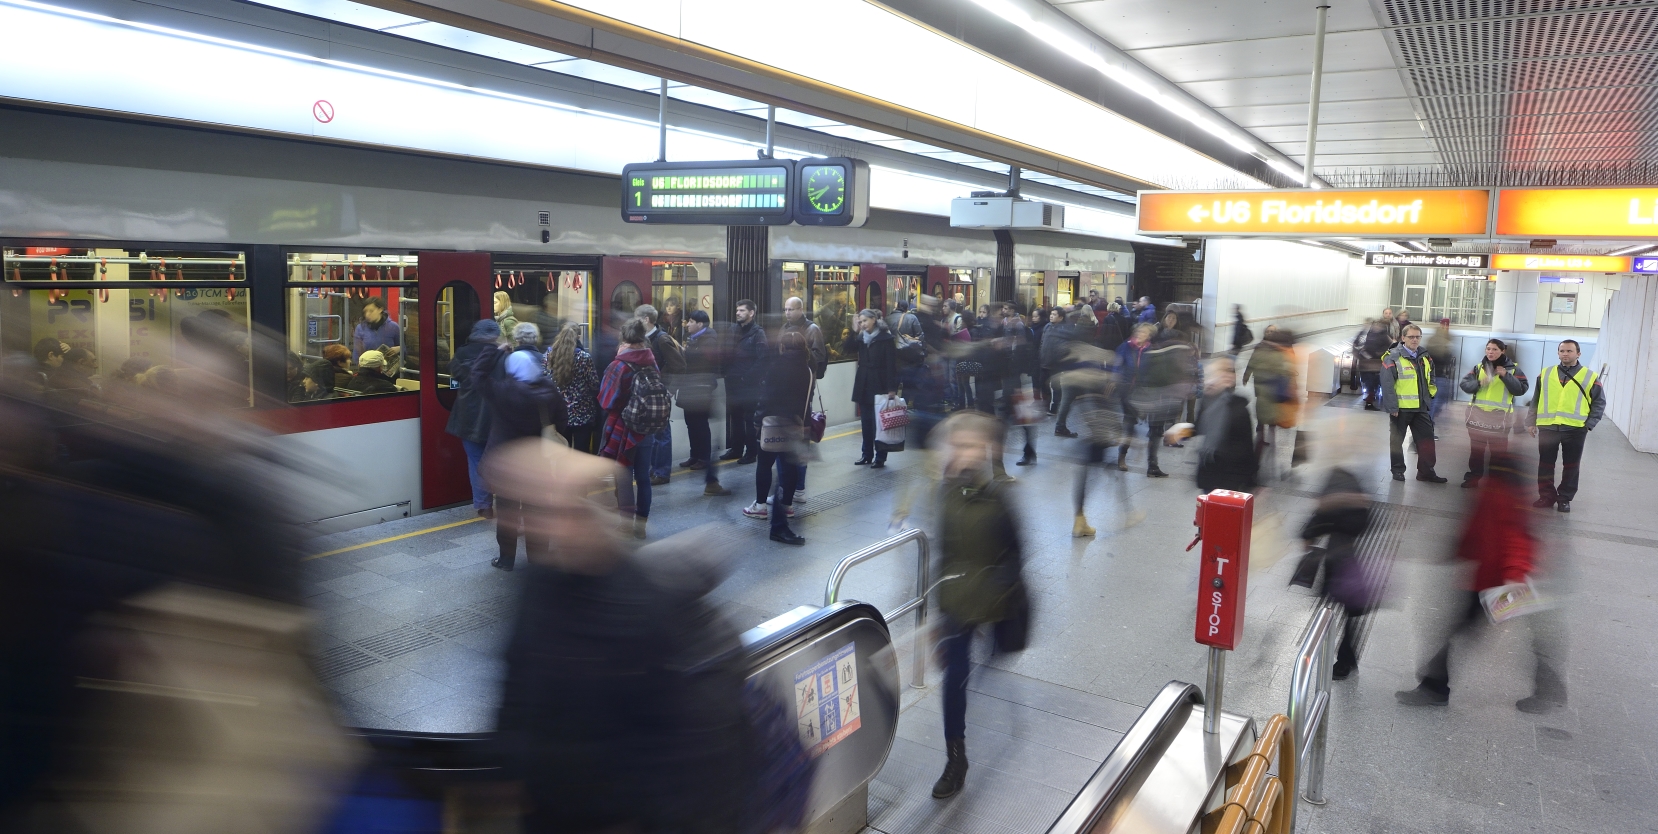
(826, 700)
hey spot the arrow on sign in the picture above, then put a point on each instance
(1198, 214)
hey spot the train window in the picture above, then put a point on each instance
(794, 280)
(551, 299)
(624, 299)
(900, 287)
(87, 346)
(457, 310)
(833, 296)
(677, 288)
(353, 326)
(1030, 289)
(964, 289)
(875, 300)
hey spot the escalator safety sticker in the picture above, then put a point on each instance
(826, 700)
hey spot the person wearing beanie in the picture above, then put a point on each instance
(371, 375)
(469, 419)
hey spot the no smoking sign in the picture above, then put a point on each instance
(323, 110)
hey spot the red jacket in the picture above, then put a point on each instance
(1497, 538)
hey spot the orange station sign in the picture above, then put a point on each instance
(1381, 213)
(1578, 212)
(1561, 263)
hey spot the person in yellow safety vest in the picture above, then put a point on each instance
(1494, 382)
(1407, 397)
(1568, 404)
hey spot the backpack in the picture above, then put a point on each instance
(649, 403)
(670, 356)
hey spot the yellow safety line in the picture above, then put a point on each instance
(480, 518)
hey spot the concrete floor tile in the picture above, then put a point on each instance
(354, 585)
(401, 693)
(391, 564)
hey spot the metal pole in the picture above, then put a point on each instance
(923, 583)
(1212, 690)
(1013, 181)
(1315, 754)
(771, 122)
(662, 122)
(1312, 106)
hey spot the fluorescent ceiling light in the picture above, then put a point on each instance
(1631, 250)
(1285, 168)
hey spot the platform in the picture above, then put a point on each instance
(413, 618)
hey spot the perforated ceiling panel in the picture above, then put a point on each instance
(1533, 90)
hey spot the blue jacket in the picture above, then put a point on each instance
(1129, 356)
(1148, 315)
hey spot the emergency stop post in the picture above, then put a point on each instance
(1224, 522)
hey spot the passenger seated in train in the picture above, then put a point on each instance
(338, 358)
(376, 332)
(48, 357)
(371, 375)
(304, 381)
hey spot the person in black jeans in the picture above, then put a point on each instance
(696, 398)
(742, 377)
(785, 394)
(523, 400)
(877, 378)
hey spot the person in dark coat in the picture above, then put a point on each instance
(981, 543)
(523, 401)
(469, 420)
(876, 380)
(1226, 457)
(786, 394)
(371, 375)
(742, 384)
(622, 704)
(696, 397)
(1343, 514)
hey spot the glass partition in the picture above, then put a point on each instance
(677, 288)
(353, 325)
(834, 303)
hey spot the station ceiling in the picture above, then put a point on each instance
(1417, 92)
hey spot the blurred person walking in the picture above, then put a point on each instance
(876, 381)
(785, 398)
(636, 404)
(1497, 539)
(670, 361)
(1568, 405)
(572, 369)
(470, 420)
(523, 401)
(1019, 404)
(742, 380)
(1055, 336)
(696, 398)
(1341, 517)
(1242, 336)
(622, 707)
(1441, 348)
(1227, 458)
(1407, 395)
(1090, 384)
(1368, 347)
(1129, 363)
(980, 543)
(1272, 367)
(817, 349)
(1494, 383)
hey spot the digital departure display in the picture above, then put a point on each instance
(720, 193)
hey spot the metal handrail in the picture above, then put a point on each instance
(1258, 802)
(923, 587)
(1309, 705)
(1138, 749)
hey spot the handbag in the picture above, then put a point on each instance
(1012, 632)
(817, 422)
(1026, 410)
(1505, 602)
(893, 414)
(1490, 422)
(779, 434)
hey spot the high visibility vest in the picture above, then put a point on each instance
(1493, 394)
(1564, 404)
(1405, 384)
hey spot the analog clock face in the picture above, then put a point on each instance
(826, 188)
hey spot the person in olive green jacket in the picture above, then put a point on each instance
(980, 546)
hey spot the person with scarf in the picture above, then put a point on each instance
(876, 381)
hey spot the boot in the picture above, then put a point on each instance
(1122, 458)
(1548, 693)
(639, 526)
(955, 770)
(1080, 528)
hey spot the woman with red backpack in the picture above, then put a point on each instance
(636, 406)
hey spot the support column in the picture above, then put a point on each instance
(1002, 288)
(748, 259)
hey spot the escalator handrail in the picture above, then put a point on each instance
(809, 628)
(1137, 750)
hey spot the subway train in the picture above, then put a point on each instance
(122, 240)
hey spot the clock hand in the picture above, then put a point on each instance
(818, 193)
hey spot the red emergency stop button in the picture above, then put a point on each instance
(1225, 520)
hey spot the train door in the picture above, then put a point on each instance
(626, 285)
(875, 294)
(905, 287)
(1067, 290)
(453, 289)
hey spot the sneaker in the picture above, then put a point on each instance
(755, 510)
(659, 480)
(1543, 503)
(1398, 476)
(1061, 431)
(1563, 507)
(714, 488)
(787, 536)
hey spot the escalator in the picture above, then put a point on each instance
(835, 665)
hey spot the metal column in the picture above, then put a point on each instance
(662, 122)
(1312, 106)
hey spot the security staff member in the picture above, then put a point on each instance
(1568, 404)
(1407, 396)
(1494, 382)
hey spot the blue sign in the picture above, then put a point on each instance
(1647, 265)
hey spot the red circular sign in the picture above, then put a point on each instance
(323, 111)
